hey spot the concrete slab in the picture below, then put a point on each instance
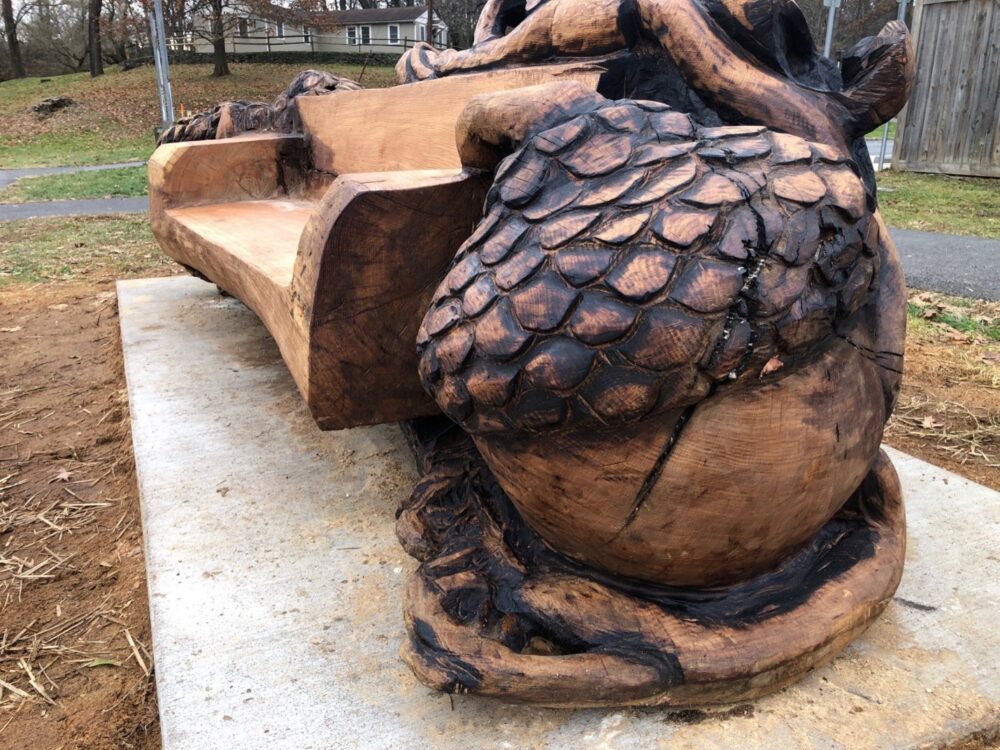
(275, 580)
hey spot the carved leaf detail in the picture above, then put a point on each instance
(661, 184)
(801, 187)
(581, 266)
(681, 227)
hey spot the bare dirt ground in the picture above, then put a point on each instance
(75, 663)
(949, 408)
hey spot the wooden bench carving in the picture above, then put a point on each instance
(666, 348)
(337, 237)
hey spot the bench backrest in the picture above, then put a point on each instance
(411, 126)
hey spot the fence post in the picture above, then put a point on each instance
(901, 16)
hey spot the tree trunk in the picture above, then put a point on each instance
(218, 42)
(94, 37)
(10, 26)
(219, 57)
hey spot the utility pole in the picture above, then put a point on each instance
(158, 41)
(830, 17)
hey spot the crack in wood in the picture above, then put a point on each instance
(656, 471)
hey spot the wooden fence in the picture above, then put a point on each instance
(304, 43)
(952, 122)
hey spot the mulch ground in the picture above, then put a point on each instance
(76, 669)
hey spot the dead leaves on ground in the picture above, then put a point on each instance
(949, 409)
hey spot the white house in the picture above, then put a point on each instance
(383, 29)
(278, 29)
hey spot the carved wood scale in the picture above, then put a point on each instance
(671, 345)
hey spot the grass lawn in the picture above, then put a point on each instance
(940, 203)
(947, 411)
(109, 183)
(104, 146)
(78, 248)
(116, 113)
(975, 318)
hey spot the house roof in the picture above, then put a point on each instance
(336, 18)
(372, 15)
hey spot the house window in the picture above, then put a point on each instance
(352, 34)
(393, 34)
(305, 35)
(366, 34)
(281, 30)
(244, 29)
(421, 32)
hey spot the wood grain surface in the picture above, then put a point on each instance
(411, 127)
(672, 333)
(339, 268)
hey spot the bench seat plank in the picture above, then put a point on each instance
(263, 234)
(338, 237)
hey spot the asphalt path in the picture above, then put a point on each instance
(964, 266)
(87, 207)
(10, 176)
(875, 146)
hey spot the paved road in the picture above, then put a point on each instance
(966, 266)
(875, 146)
(10, 176)
(89, 207)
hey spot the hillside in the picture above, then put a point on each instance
(115, 114)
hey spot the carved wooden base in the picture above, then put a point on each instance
(493, 611)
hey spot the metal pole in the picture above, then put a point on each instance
(154, 44)
(161, 34)
(828, 42)
(901, 16)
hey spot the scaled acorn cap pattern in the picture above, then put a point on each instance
(629, 261)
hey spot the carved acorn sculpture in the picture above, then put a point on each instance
(673, 341)
(642, 338)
